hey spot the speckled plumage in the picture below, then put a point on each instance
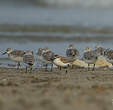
(40, 51)
(48, 56)
(90, 57)
(45, 56)
(15, 55)
(29, 59)
(100, 50)
(109, 55)
(72, 53)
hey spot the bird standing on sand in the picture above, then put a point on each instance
(15, 55)
(45, 56)
(39, 54)
(29, 60)
(61, 62)
(90, 57)
(72, 53)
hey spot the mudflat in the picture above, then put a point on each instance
(79, 89)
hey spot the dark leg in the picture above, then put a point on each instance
(88, 66)
(31, 69)
(26, 69)
(66, 71)
(72, 66)
(93, 67)
(51, 67)
(18, 65)
(46, 67)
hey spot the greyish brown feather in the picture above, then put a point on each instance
(72, 53)
(29, 59)
(49, 56)
(18, 53)
(109, 54)
(100, 50)
(40, 50)
(90, 55)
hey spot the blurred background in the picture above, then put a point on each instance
(30, 24)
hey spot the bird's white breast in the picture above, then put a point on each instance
(58, 62)
(16, 58)
(41, 59)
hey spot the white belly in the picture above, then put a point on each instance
(42, 60)
(16, 59)
(90, 61)
(58, 62)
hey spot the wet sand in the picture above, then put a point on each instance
(78, 89)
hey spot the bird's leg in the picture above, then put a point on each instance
(68, 68)
(46, 67)
(88, 66)
(26, 69)
(66, 71)
(72, 66)
(51, 67)
(31, 69)
(93, 67)
(18, 65)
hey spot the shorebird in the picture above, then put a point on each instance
(48, 57)
(109, 55)
(61, 62)
(45, 56)
(39, 54)
(72, 52)
(29, 59)
(90, 57)
(15, 55)
(100, 50)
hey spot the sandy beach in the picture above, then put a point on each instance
(78, 89)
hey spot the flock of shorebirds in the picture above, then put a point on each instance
(47, 57)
